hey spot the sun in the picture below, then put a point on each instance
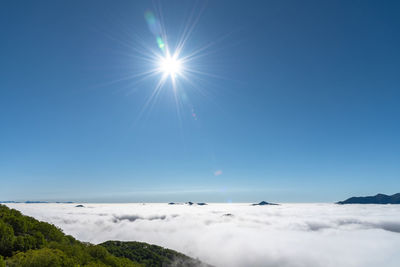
(170, 66)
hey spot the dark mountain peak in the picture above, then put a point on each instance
(263, 203)
(377, 199)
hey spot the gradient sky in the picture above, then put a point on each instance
(301, 102)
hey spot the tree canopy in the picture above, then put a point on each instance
(25, 241)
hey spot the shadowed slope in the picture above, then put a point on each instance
(151, 255)
(377, 199)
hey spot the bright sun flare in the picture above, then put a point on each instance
(170, 66)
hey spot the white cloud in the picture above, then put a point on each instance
(289, 235)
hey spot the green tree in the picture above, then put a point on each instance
(18, 223)
(98, 252)
(44, 257)
(2, 262)
(6, 239)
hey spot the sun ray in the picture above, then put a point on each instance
(174, 63)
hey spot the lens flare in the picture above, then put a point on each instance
(173, 61)
(170, 66)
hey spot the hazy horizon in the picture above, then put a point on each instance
(175, 201)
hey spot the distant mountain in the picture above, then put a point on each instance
(377, 199)
(36, 202)
(175, 203)
(263, 203)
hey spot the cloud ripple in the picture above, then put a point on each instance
(289, 235)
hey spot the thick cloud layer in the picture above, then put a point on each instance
(288, 235)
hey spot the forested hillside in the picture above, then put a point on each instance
(151, 255)
(27, 242)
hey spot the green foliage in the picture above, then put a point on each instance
(25, 241)
(150, 255)
(2, 262)
(97, 252)
(44, 257)
(6, 239)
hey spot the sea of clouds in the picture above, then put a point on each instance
(288, 235)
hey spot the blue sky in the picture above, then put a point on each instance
(299, 103)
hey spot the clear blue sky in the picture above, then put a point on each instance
(301, 102)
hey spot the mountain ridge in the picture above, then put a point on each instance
(377, 199)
